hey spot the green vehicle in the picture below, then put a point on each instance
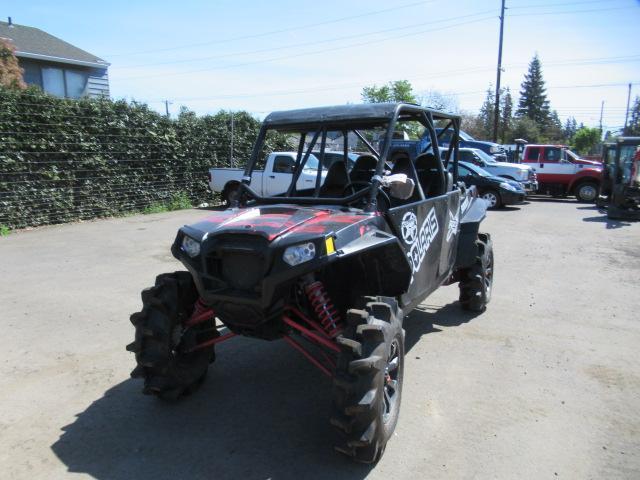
(620, 187)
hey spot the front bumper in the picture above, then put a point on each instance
(530, 186)
(511, 198)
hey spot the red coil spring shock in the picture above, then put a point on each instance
(324, 309)
(201, 313)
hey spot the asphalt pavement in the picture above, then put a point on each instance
(544, 384)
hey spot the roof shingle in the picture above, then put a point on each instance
(30, 40)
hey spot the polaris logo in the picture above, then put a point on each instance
(419, 239)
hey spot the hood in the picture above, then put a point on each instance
(512, 165)
(584, 161)
(274, 221)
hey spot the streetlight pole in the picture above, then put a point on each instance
(496, 114)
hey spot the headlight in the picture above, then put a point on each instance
(190, 246)
(495, 149)
(507, 186)
(298, 254)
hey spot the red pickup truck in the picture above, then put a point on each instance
(562, 172)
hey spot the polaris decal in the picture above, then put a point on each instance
(454, 220)
(419, 239)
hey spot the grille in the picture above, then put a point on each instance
(237, 261)
(242, 270)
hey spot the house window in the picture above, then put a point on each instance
(53, 81)
(61, 82)
(76, 83)
(32, 74)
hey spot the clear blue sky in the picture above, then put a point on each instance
(224, 54)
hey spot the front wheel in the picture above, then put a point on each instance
(492, 198)
(368, 383)
(587, 192)
(163, 346)
(476, 282)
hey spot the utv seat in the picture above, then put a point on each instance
(336, 180)
(403, 164)
(431, 175)
(364, 168)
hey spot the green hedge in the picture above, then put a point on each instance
(65, 160)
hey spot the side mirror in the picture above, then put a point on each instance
(399, 185)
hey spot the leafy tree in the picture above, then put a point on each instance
(526, 129)
(533, 97)
(586, 139)
(396, 91)
(10, 71)
(472, 124)
(633, 127)
(439, 101)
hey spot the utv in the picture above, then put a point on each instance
(329, 266)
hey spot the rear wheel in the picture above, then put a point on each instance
(586, 192)
(492, 198)
(368, 383)
(476, 282)
(162, 344)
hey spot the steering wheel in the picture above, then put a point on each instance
(382, 195)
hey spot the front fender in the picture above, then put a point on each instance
(473, 212)
(586, 174)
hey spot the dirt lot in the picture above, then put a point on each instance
(545, 384)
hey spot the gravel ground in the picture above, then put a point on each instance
(544, 384)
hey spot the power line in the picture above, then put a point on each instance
(555, 4)
(274, 32)
(304, 54)
(572, 12)
(306, 44)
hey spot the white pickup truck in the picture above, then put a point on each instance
(274, 179)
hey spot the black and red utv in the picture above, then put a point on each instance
(330, 266)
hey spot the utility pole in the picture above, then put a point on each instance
(601, 113)
(231, 144)
(496, 114)
(166, 107)
(626, 115)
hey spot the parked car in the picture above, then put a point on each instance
(523, 174)
(562, 172)
(271, 181)
(497, 191)
(414, 148)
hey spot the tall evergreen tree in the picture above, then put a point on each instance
(570, 128)
(487, 113)
(533, 96)
(553, 130)
(633, 127)
(506, 115)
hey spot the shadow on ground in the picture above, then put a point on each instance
(506, 208)
(542, 199)
(262, 413)
(610, 223)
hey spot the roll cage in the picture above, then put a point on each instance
(314, 123)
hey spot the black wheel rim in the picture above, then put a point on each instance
(392, 379)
